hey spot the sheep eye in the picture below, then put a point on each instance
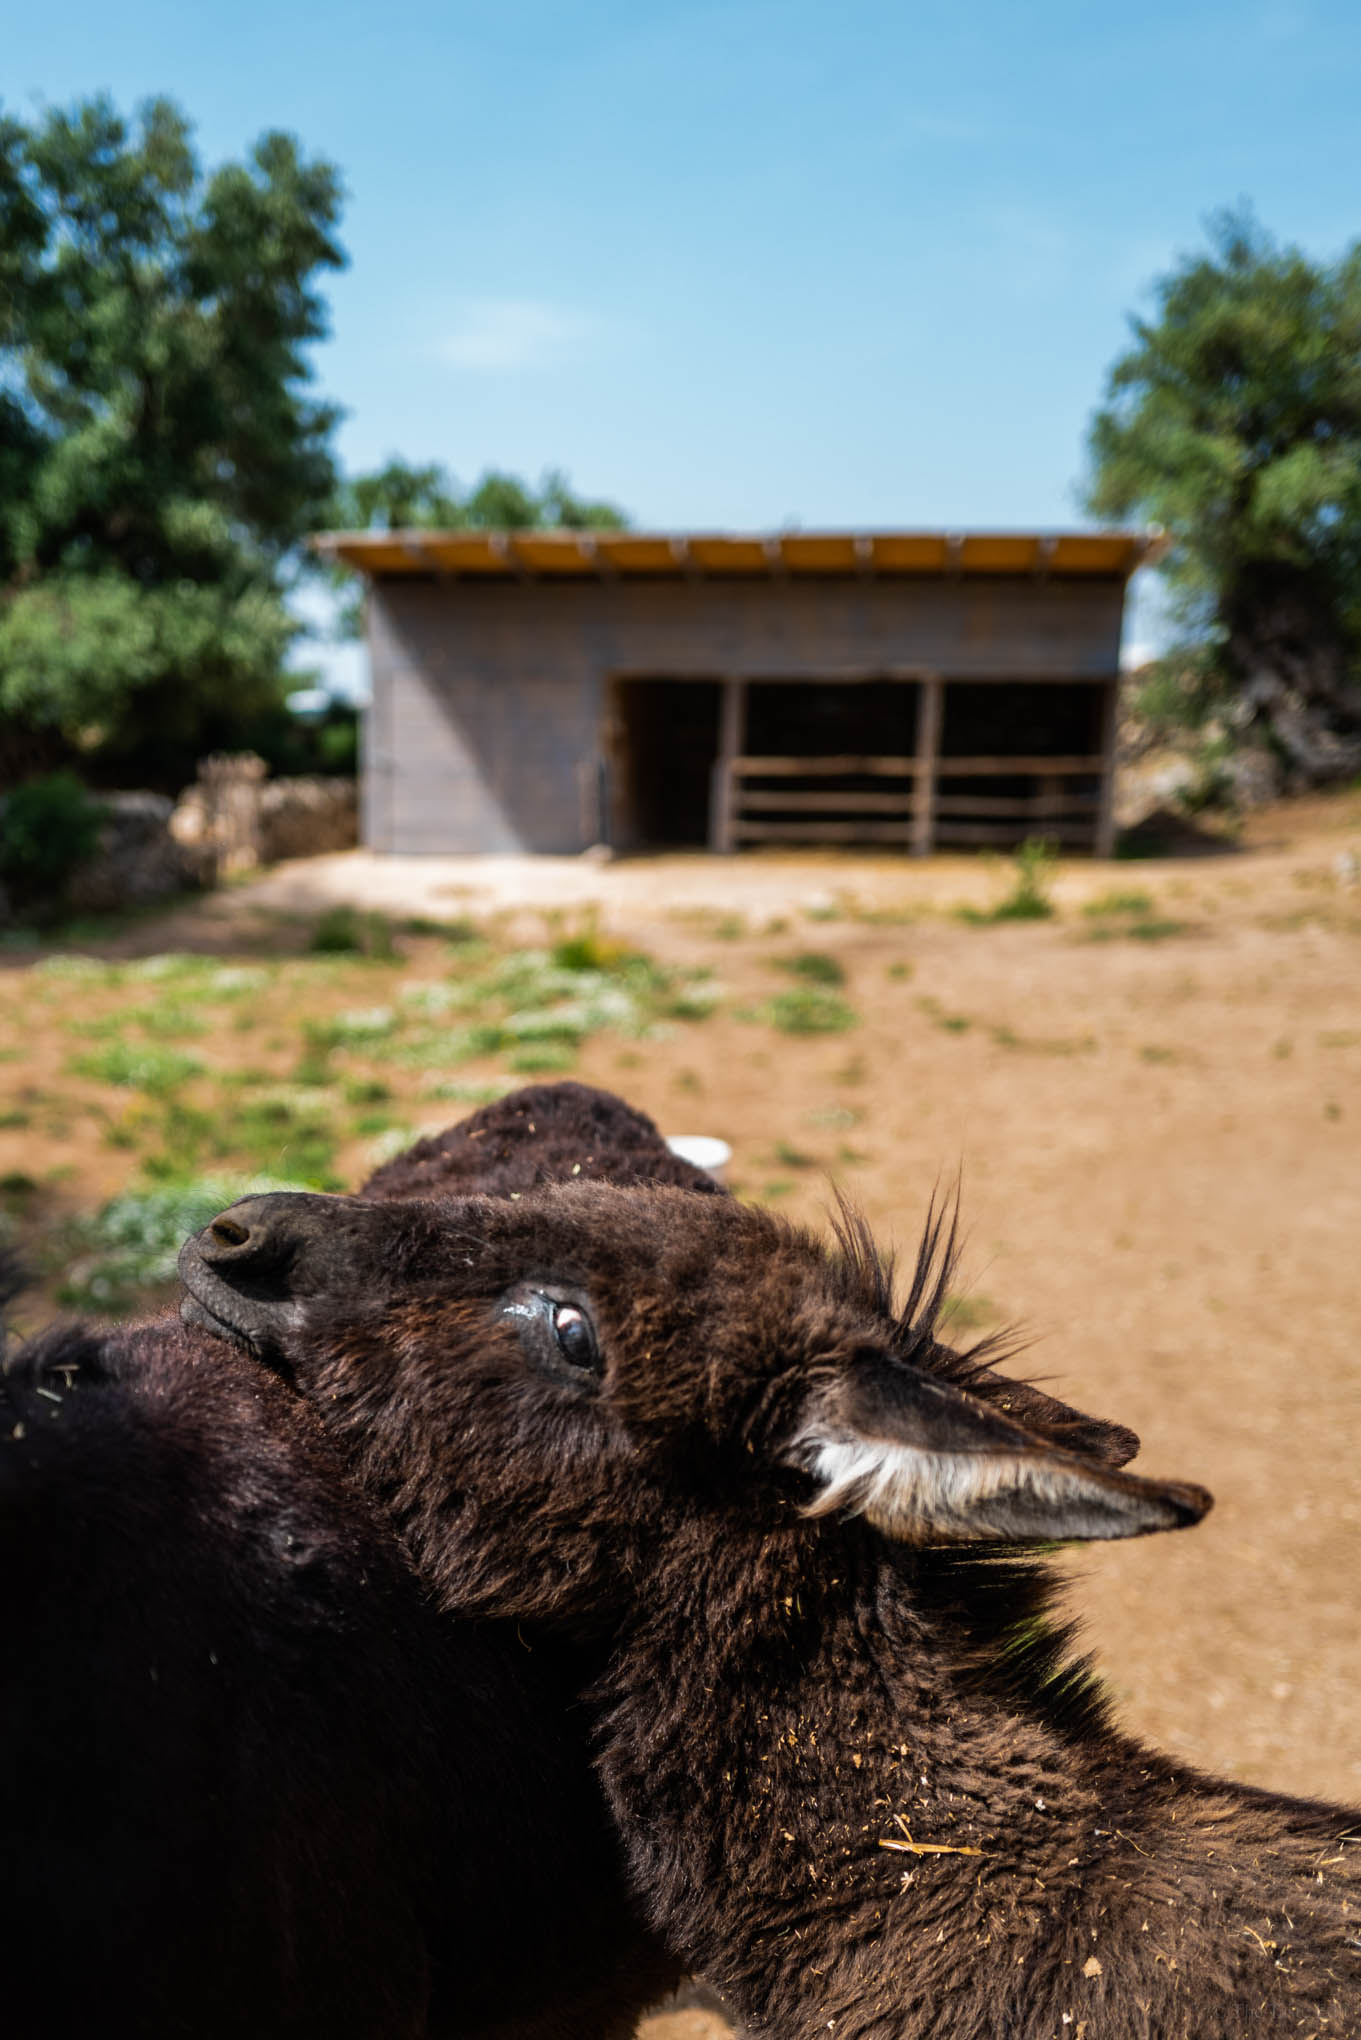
(576, 1339)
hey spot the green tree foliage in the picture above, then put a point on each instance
(399, 497)
(1235, 421)
(160, 452)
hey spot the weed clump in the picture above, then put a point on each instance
(1029, 898)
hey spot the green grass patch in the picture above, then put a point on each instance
(791, 1157)
(949, 1023)
(813, 967)
(139, 1067)
(1129, 914)
(1118, 903)
(460, 1093)
(809, 1009)
(370, 1123)
(356, 1029)
(344, 931)
(119, 1259)
(367, 1091)
(543, 1059)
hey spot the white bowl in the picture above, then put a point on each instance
(703, 1151)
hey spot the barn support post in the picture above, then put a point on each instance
(930, 712)
(1103, 843)
(732, 722)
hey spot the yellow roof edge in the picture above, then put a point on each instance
(1064, 554)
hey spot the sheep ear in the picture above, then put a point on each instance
(926, 1463)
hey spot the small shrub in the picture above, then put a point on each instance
(337, 933)
(588, 950)
(344, 931)
(47, 829)
(814, 967)
(810, 1010)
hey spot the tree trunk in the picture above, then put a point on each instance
(1295, 674)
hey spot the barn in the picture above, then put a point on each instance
(549, 690)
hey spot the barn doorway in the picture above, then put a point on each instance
(1021, 758)
(821, 760)
(663, 741)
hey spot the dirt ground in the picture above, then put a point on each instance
(1155, 1110)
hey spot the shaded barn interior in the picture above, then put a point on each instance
(550, 690)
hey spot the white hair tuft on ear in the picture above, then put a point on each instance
(920, 1495)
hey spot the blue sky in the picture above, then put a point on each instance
(760, 262)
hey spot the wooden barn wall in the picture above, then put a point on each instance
(488, 699)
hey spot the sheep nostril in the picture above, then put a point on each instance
(229, 1232)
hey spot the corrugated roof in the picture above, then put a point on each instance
(804, 555)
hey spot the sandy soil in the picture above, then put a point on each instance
(1159, 1138)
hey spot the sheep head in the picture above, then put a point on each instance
(550, 1388)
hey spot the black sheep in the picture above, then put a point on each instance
(864, 1785)
(251, 1783)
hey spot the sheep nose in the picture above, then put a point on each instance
(229, 1232)
(246, 1232)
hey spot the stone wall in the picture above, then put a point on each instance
(136, 859)
(234, 819)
